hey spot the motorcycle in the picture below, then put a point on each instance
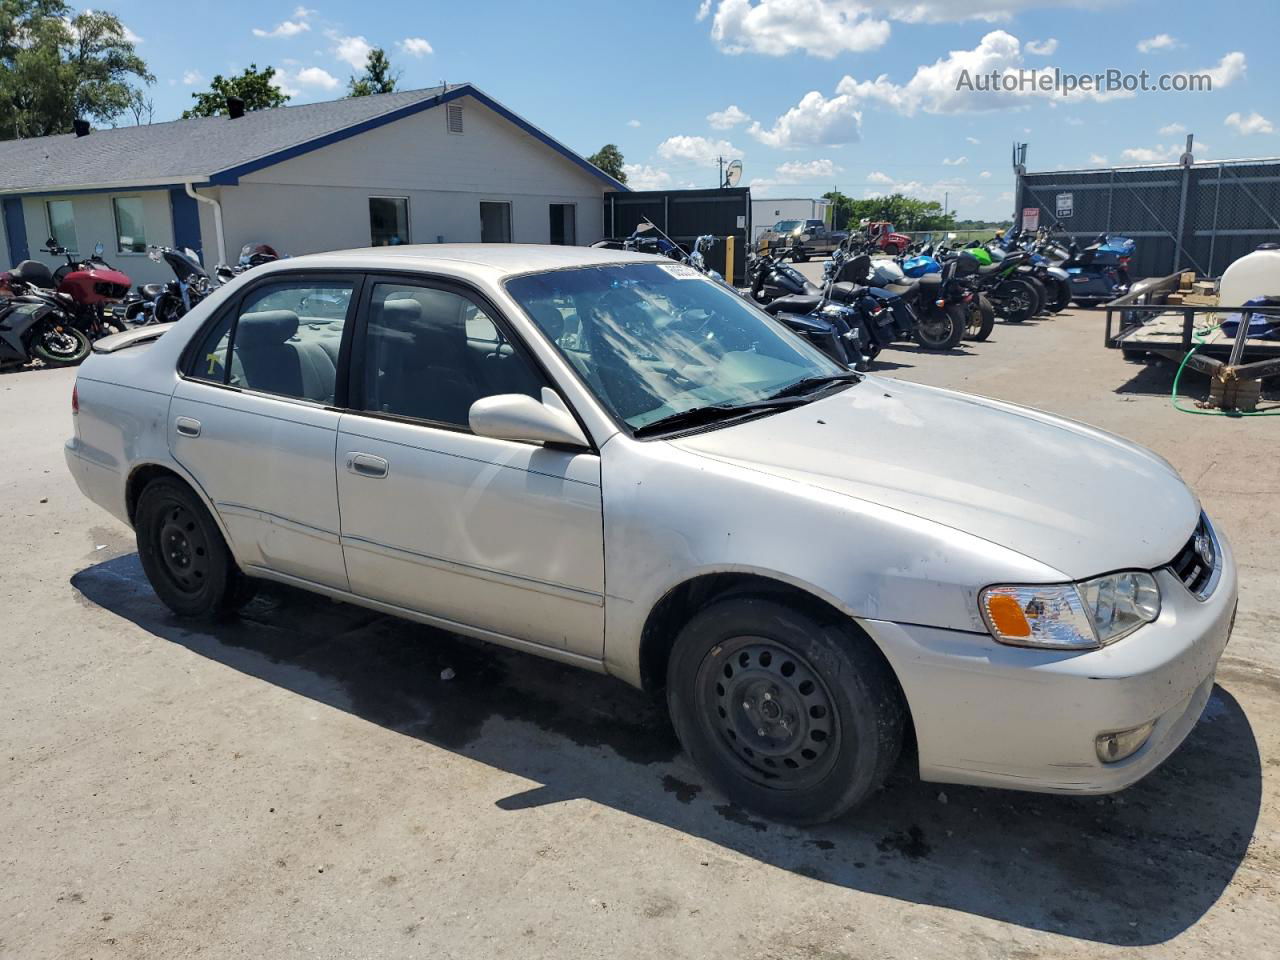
(979, 313)
(169, 302)
(1100, 272)
(81, 291)
(1011, 295)
(935, 298)
(31, 328)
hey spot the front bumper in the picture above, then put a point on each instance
(999, 716)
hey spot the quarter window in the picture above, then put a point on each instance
(131, 231)
(388, 221)
(284, 339)
(431, 353)
(62, 224)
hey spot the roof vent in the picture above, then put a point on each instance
(235, 107)
(454, 111)
(81, 127)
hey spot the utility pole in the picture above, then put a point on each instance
(720, 164)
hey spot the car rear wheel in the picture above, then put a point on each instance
(795, 718)
(184, 555)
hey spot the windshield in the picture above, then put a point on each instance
(786, 226)
(652, 340)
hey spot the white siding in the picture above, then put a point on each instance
(320, 200)
(95, 221)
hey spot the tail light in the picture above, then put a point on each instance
(876, 310)
(968, 298)
(1124, 262)
(75, 399)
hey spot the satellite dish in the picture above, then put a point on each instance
(733, 173)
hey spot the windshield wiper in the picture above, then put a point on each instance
(715, 413)
(809, 384)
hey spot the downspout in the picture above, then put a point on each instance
(217, 219)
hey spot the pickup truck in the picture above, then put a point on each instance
(801, 239)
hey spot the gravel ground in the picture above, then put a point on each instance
(302, 782)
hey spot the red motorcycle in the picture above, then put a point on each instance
(80, 290)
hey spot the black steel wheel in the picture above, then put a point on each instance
(790, 714)
(183, 553)
(60, 346)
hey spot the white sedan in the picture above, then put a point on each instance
(607, 459)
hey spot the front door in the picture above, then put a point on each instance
(254, 422)
(492, 534)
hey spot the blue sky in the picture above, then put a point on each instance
(809, 94)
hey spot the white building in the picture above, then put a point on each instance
(447, 164)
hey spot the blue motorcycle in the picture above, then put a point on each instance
(1100, 272)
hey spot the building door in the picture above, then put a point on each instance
(564, 226)
(495, 221)
(497, 535)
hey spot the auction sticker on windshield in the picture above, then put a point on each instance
(680, 271)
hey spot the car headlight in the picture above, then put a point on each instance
(1071, 616)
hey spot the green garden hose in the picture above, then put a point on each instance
(1177, 377)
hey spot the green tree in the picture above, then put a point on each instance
(254, 87)
(609, 159)
(378, 76)
(57, 66)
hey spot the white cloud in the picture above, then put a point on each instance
(641, 177)
(875, 176)
(1097, 160)
(1247, 124)
(1073, 121)
(1042, 48)
(794, 170)
(954, 161)
(297, 82)
(813, 122)
(633, 123)
(955, 191)
(1173, 128)
(985, 175)
(1163, 154)
(730, 116)
(415, 46)
(288, 28)
(973, 140)
(1161, 41)
(352, 50)
(823, 28)
(192, 77)
(1229, 69)
(704, 9)
(696, 150)
(131, 36)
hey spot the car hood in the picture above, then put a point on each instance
(1068, 495)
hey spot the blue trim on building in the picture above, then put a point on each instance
(186, 221)
(231, 176)
(76, 193)
(15, 230)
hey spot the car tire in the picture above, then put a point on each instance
(835, 726)
(184, 555)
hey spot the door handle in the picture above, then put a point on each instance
(367, 465)
(187, 426)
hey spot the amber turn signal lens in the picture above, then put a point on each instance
(1007, 616)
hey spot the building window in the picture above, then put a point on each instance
(62, 224)
(131, 235)
(495, 222)
(564, 227)
(454, 112)
(388, 221)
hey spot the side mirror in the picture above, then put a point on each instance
(514, 416)
(98, 248)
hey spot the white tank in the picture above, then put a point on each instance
(1254, 275)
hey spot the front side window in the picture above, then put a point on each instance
(284, 339)
(131, 231)
(429, 354)
(654, 340)
(495, 222)
(388, 221)
(62, 224)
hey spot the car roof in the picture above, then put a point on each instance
(492, 260)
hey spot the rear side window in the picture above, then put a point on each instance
(283, 339)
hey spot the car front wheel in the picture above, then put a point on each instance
(184, 555)
(794, 717)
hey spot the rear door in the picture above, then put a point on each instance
(502, 536)
(255, 419)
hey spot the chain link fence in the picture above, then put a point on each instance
(1202, 216)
